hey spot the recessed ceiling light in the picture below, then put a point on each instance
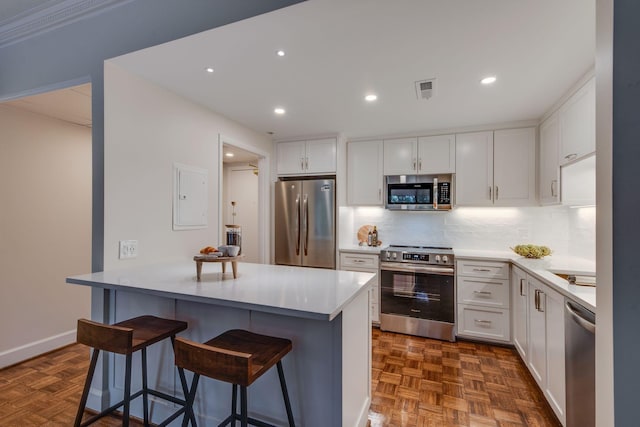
(228, 154)
(279, 110)
(371, 97)
(209, 70)
(488, 80)
(280, 52)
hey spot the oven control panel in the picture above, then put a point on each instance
(415, 257)
(418, 256)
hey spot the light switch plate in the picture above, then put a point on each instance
(128, 249)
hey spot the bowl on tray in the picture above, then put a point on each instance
(229, 250)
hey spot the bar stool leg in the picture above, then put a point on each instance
(127, 392)
(234, 403)
(145, 393)
(285, 394)
(87, 387)
(244, 422)
(189, 398)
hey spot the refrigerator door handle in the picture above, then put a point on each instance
(305, 202)
(299, 225)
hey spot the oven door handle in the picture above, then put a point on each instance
(399, 267)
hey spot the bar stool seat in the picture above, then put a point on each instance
(238, 357)
(126, 338)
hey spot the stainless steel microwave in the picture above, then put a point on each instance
(417, 192)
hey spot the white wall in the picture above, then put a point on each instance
(147, 129)
(566, 231)
(45, 232)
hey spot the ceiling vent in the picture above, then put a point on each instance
(425, 89)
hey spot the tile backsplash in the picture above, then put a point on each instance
(565, 230)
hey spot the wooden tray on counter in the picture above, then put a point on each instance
(199, 259)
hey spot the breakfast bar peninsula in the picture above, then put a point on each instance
(325, 313)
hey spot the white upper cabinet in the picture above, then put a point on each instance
(424, 155)
(364, 173)
(310, 157)
(401, 156)
(549, 161)
(496, 168)
(474, 169)
(578, 124)
(437, 154)
(514, 167)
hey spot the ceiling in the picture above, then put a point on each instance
(337, 51)
(71, 105)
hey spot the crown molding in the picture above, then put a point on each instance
(41, 19)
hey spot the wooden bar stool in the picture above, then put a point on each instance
(126, 338)
(238, 357)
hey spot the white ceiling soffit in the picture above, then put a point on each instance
(338, 51)
(20, 19)
(71, 105)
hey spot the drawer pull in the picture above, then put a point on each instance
(359, 261)
(413, 310)
(481, 269)
(482, 322)
(482, 292)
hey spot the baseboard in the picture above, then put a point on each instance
(36, 348)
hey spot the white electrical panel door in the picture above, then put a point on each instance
(190, 198)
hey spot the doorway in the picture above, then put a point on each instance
(241, 198)
(46, 187)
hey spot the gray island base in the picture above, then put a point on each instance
(324, 312)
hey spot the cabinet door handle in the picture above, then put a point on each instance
(306, 163)
(481, 269)
(302, 163)
(554, 184)
(420, 164)
(541, 302)
(482, 292)
(380, 194)
(521, 287)
(414, 163)
(490, 193)
(496, 192)
(571, 156)
(536, 300)
(482, 322)
(413, 310)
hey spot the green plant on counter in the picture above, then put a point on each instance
(532, 251)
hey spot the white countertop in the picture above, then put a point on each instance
(361, 249)
(312, 293)
(543, 269)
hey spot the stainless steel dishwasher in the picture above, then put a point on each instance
(580, 365)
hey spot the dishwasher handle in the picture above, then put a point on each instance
(586, 324)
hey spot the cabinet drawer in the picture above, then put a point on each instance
(496, 270)
(481, 291)
(483, 323)
(359, 261)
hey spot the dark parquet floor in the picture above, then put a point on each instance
(416, 382)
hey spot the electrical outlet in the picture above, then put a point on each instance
(128, 249)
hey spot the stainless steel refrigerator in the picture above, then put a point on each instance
(305, 218)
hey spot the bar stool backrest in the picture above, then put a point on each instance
(221, 364)
(115, 339)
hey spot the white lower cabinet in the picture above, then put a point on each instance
(545, 356)
(483, 300)
(519, 308)
(367, 263)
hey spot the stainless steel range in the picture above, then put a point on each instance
(417, 291)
